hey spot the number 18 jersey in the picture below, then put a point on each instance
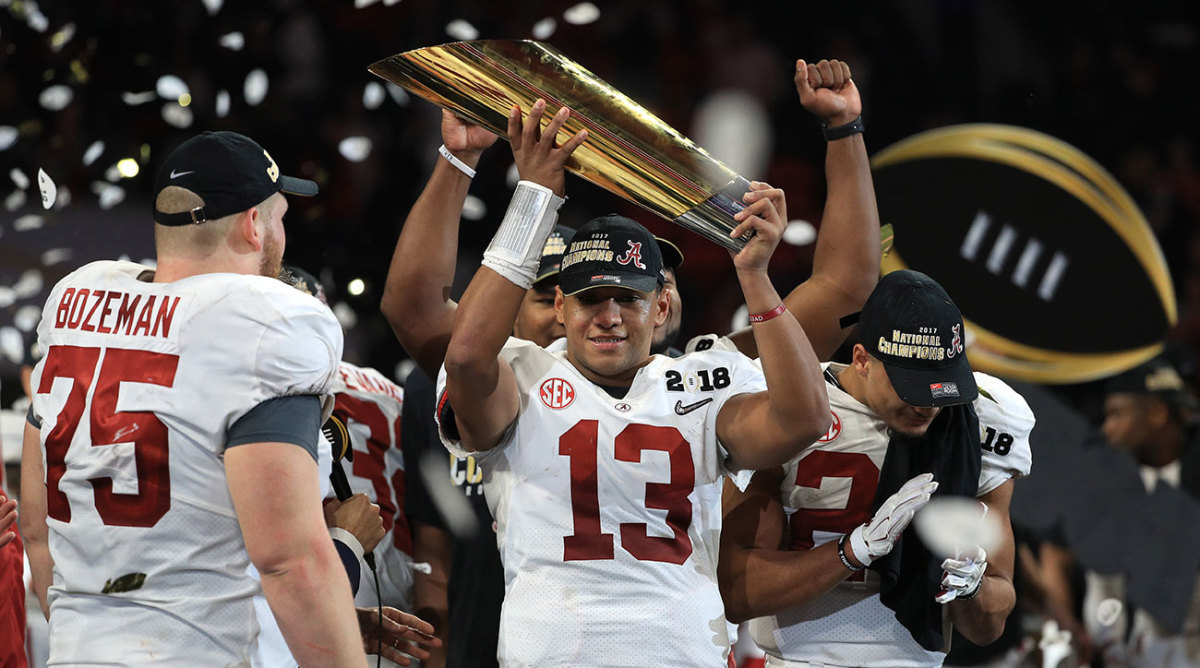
(137, 391)
(608, 511)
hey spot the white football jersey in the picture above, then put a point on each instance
(370, 406)
(608, 511)
(138, 388)
(828, 490)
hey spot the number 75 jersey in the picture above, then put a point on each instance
(608, 511)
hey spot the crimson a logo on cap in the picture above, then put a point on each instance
(835, 429)
(556, 393)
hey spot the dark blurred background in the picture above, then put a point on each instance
(1115, 79)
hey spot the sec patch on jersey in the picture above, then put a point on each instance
(1054, 268)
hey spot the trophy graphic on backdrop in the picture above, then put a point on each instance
(629, 151)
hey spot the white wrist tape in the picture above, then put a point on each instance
(858, 543)
(516, 249)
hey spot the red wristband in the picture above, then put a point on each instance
(768, 315)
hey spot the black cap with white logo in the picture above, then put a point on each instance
(611, 251)
(910, 324)
(552, 253)
(229, 171)
(1157, 377)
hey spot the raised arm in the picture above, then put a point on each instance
(416, 297)
(768, 428)
(276, 494)
(846, 260)
(480, 386)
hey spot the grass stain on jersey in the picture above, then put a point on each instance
(127, 582)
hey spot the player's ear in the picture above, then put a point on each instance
(559, 300)
(663, 305)
(248, 226)
(860, 359)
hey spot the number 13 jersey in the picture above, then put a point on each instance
(608, 511)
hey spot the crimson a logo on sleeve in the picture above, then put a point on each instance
(835, 429)
(556, 393)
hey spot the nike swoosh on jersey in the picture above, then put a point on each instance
(175, 174)
(680, 409)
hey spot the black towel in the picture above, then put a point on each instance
(911, 574)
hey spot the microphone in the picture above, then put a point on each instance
(339, 437)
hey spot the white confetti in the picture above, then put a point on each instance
(18, 177)
(800, 233)
(29, 284)
(12, 344)
(28, 222)
(255, 87)
(460, 29)
(94, 151)
(134, 99)
(170, 87)
(233, 41)
(389, 3)
(8, 297)
(177, 115)
(64, 197)
(355, 149)
(213, 6)
(15, 200)
(110, 195)
(741, 319)
(8, 136)
(53, 256)
(222, 103)
(59, 39)
(398, 94)
(26, 318)
(111, 174)
(581, 14)
(48, 189)
(373, 95)
(359, 4)
(474, 208)
(34, 17)
(56, 97)
(403, 368)
(545, 28)
(345, 315)
(513, 176)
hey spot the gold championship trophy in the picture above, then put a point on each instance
(629, 151)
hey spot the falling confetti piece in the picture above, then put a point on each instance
(18, 177)
(474, 208)
(213, 6)
(29, 284)
(28, 222)
(359, 4)
(7, 296)
(389, 3)
(741, 319)
(222, 103)
(111, 196)
(800, 233)
(48, 189)
(255, 87)
(513, 176)
(403, 368)
(34, 17)
(27, 317)
(460, 29)
(398, 94)
(60, 38)
(94, 151)
(233, 41)
(177, 115)
(12, 344)
(355, 149)
(56, 97)
(171, 87)
(15, 200)
(582, 14)
(134, 99)
(373, 95)
(64, 197)
(545, 28)
(8, 136)
(345, 315)
(53, 256)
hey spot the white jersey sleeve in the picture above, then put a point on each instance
(1005, 422)
(514, 349)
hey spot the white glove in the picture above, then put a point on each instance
(961, 577)
(877, 537)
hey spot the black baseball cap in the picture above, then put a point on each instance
(229, 171)
(911, 325)
(611, 250)
(671, 255)
(305, 281)
(1157, 377)
(552, 252)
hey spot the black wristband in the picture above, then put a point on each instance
(844, 558)
(852, 128)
